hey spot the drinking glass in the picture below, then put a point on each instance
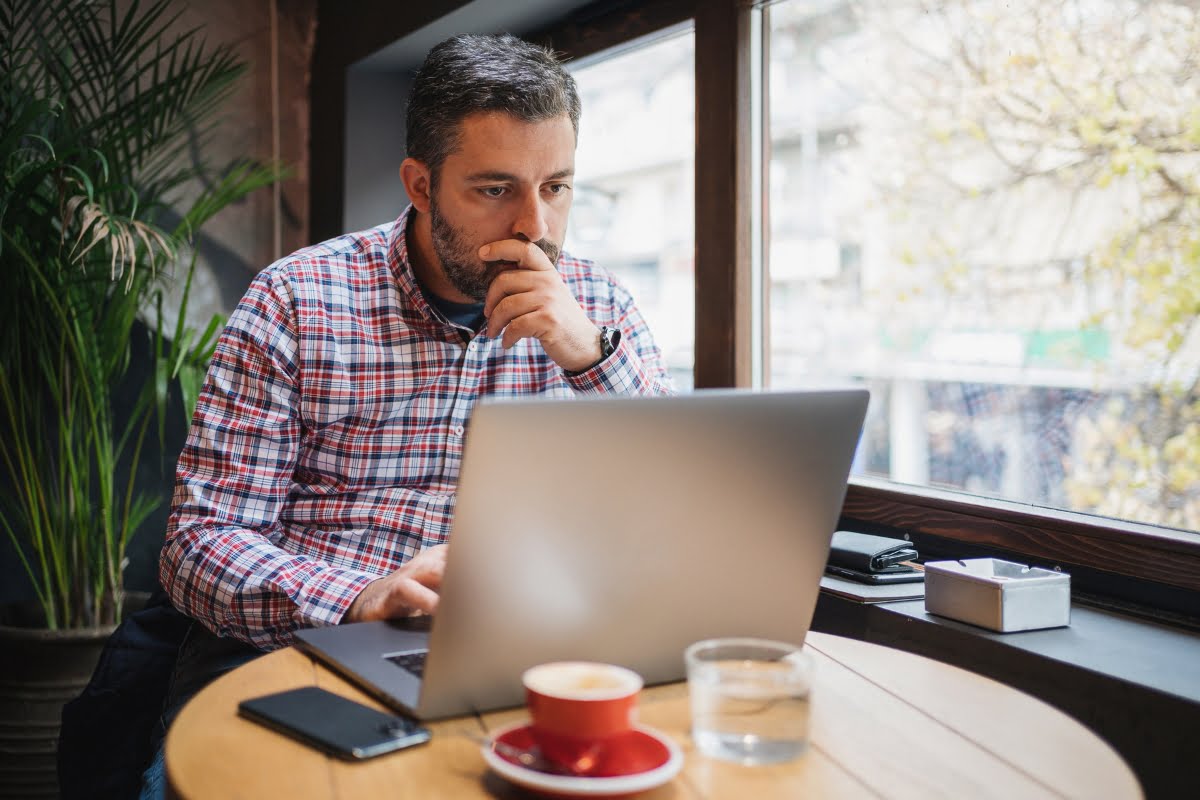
(749, 699)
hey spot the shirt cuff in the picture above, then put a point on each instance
(620, 373)
(327, 602)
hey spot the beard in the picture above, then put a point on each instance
(460, 260)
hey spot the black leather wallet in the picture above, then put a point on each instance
(867, 553)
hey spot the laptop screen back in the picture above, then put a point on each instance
(624, 529)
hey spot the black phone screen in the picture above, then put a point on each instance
(332, 723)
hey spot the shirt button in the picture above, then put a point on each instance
(458, 430)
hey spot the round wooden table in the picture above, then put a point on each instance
(885, 723)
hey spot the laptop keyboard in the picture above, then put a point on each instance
(411, 660)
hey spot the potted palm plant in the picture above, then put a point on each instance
(104, 114)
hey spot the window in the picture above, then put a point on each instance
(989, 213)
(634, 166)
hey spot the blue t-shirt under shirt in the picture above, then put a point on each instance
(469, 315)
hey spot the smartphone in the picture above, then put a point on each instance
(876, 578)
(333, 724)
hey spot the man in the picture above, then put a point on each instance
(317, 483)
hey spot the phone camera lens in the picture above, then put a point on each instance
(394, 728)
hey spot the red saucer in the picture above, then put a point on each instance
(638, 761)
(636, 751)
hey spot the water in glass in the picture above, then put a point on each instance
(750, 711)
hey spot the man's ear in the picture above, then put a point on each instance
(416, 178)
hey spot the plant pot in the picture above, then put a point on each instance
(40, 671)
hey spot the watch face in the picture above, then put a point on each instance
(609, 339)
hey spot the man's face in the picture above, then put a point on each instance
(508, 179)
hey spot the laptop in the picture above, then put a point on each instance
(616, 529)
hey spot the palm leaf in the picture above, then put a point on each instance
(105, 113)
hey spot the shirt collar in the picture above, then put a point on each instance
(406, 279)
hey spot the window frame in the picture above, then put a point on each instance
(724, 333)
(1149, 569)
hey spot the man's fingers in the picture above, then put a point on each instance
(509, 283)
(412, 588)
(402, 598)
(509, 309)
(429, 575)
(427, 567)
(408, 596)
(526, 326)
(525, 255)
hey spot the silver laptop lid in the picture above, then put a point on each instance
(623, 529)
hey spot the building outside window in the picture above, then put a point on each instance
(633, 211)
(989, 213)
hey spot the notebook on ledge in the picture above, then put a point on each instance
(620, 530)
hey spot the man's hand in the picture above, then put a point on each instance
(531, 300)
(411, 589)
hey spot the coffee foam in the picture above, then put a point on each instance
(582, 680)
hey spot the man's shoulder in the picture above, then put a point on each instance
(590, 279)
(576, 268)
(334, 260)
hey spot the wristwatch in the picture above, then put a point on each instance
(609, 339)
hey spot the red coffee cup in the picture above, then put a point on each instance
(578, 707)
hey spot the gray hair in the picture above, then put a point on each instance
(469, 74)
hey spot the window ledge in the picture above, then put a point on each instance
(1125, 648)
(1134, 682)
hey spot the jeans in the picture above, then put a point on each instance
(154, 779)
(203, 658)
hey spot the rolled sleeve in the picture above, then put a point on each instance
(636, 367)
(623, 372)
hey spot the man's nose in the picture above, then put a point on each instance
(530, 223)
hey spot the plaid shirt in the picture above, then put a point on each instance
(327, 441)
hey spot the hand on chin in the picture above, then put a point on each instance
(529, 299)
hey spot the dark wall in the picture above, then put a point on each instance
(347, 33)
(375, 146)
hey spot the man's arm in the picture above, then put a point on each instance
(412, 588)
(636, 367)
(219, 563)
(531, 300)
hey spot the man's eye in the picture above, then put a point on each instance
(559, 188)
(493, 191)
